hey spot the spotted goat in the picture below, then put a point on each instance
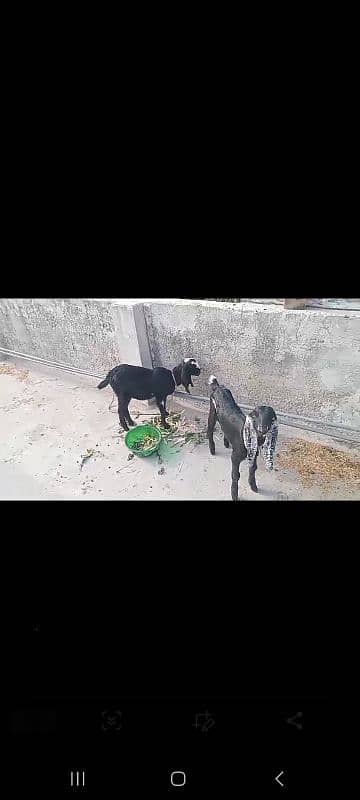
(245, 433)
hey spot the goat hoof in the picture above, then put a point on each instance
(131, 422)
(212, 450)
(165, 425)
(253, 487)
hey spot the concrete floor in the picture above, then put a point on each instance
(49, 418)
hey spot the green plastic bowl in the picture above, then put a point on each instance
(138, 434)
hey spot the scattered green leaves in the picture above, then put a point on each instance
(90, 452)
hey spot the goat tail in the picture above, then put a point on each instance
(104, 382)
(213, 382)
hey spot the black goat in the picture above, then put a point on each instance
(245, 433)
(141, 383)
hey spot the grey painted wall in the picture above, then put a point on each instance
(304, 362)
(92, 335)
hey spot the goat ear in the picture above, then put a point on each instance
(177, 374)
(185, 374)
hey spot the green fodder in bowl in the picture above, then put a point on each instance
(143, 440)
(145, 444)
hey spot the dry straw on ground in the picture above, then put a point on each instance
(9, 369)
(316, 463)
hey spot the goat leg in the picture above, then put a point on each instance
(122, 411)
(210, 428)
(167, 413)
(162, 410)
(125, 409)
(252, 471)
(235, 475)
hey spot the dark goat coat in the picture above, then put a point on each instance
(129, 382)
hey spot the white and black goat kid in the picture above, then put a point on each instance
(129, 382)
(245, 433)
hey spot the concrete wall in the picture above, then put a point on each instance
(93, 335)
(303, 362)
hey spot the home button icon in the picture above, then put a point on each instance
(178, 778)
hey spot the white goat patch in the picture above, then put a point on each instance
(269, 445)
(193, 361)
(250, 439)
